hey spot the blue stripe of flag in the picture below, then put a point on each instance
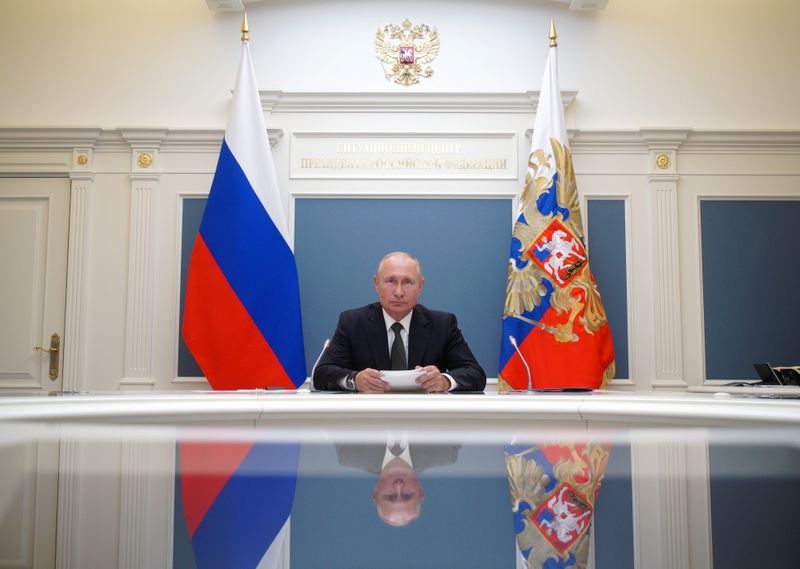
(519, 328)
(256, 260)
(250, 510)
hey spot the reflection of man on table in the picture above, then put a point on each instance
(398, 494)
(397, 333)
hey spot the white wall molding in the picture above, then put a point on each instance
(41, 138)
(407, 102)
(742, 141)
(45, 152)
(66, 139)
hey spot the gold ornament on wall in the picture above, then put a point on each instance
(145, 160)
(82, 159)
(404, 49)
(663, 161)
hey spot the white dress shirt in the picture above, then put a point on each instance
(406, 322)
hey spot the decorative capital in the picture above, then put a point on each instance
(81, 160)
(145, 160)
(663, 164)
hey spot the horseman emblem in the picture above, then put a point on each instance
(563, 518)
(559, 253)
(406, 55)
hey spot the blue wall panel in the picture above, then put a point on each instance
(462, 244)
(751, 273)
(613, 516)
(607, 258)
(755, 497)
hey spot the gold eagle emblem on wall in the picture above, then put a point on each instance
(403, 51)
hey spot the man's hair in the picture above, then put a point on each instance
(394, 253)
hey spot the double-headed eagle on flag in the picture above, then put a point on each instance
(553, 312)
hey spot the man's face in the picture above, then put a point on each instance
(398, 284)
(398, 494)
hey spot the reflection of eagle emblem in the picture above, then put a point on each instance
(404, 49)
(563, 518)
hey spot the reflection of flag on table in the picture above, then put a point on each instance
(553, 492)
(237, 497)
(242, 312)
(553, 307)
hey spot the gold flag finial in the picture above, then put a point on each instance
(553, 34)
(245, 35)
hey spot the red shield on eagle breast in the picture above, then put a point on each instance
(559, 253)
(563, 518)
(406, 56)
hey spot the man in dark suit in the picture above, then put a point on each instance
(378, 337)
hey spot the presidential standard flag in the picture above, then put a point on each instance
(554, 488)
(242, 312)
(552, 308)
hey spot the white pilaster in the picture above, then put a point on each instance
(663, 180)
(82, 181)
(68, 514)
(145, 177)
(673, 503)
(134, 501)
(671, 509)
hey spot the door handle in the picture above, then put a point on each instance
(55, 349)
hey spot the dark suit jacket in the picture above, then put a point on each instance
(433, 339)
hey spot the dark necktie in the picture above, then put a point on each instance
(398, 350)
(396, 449)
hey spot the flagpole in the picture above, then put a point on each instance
(246, 35)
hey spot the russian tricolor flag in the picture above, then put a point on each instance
(236, 498)
(242, 311)
(242, 324)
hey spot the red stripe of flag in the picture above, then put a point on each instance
(221, 334)
(205, 469)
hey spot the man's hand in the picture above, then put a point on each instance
(433, 381)
(369, 381)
